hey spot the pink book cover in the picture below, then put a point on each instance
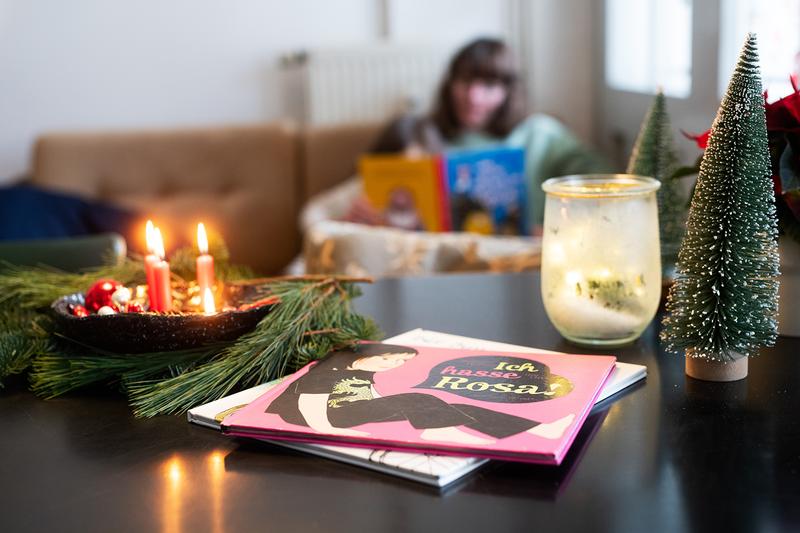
(502, 405)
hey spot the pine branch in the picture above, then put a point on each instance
(21, 338)
(70, 365)
(312, 318)
(25, 290)
(38, 287)
(33, 288)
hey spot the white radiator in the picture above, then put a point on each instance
(368, 83)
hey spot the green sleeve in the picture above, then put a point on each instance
(551, 150)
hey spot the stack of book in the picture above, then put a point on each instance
(427, 406)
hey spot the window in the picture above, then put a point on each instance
(648, 44)
(776, 26)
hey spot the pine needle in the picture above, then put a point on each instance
(25, 332)
(312, 317)
(21, 338)
(71, 365)
(38, 287)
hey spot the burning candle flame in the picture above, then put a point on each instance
(149, 230)
(202, 239)
(158, 243)
(208, 302)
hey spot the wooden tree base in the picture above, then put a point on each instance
(707, 370)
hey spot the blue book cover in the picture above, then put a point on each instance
(487, 190)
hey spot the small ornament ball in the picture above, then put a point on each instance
(99, 294)
(78, 310)
(121, 297)
(106, 310)
(135, 307)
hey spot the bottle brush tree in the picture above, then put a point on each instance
(654, 155)
(724, 303)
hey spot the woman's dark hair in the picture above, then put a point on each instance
(343, 358)
(487, 60)
(398, 135)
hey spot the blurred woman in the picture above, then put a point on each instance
(479, 105)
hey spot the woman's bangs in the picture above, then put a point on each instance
(487, 67)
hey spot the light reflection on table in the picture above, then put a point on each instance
(174, 474)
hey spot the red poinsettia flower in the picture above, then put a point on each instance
(782, 115)
(783, 129)
(701, 139)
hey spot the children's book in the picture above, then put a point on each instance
(436, 470)
(409, 192)
(479, 191)
(430, 469)
(487, 191)
(624, 374)
(482, 403)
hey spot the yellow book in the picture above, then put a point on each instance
(409, 192)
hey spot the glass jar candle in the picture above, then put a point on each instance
(601, 260)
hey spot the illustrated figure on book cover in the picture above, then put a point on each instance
(402, 210)
(338, 394)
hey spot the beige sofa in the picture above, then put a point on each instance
(246, 182)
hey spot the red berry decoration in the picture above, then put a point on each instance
(78, 310)
(99, 294)
(135, 307)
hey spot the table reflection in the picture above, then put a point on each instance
(174, 478)
(216, 473)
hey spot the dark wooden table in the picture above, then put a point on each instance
(672, 455)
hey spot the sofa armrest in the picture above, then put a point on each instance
(70, 254)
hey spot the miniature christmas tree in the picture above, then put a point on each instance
(723, 305)
(654, 155)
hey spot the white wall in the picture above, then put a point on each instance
(620, 113)
(117, 64)
(554, 40)
(100, 64)
(448, 22)
(561, 70)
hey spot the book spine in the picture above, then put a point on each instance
(444, 193)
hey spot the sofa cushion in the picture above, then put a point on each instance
(241, 181)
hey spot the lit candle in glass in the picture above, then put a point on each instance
(162, 275)
(601, 264)
(150, 260)
(205, 262)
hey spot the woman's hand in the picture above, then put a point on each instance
(362, 212)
